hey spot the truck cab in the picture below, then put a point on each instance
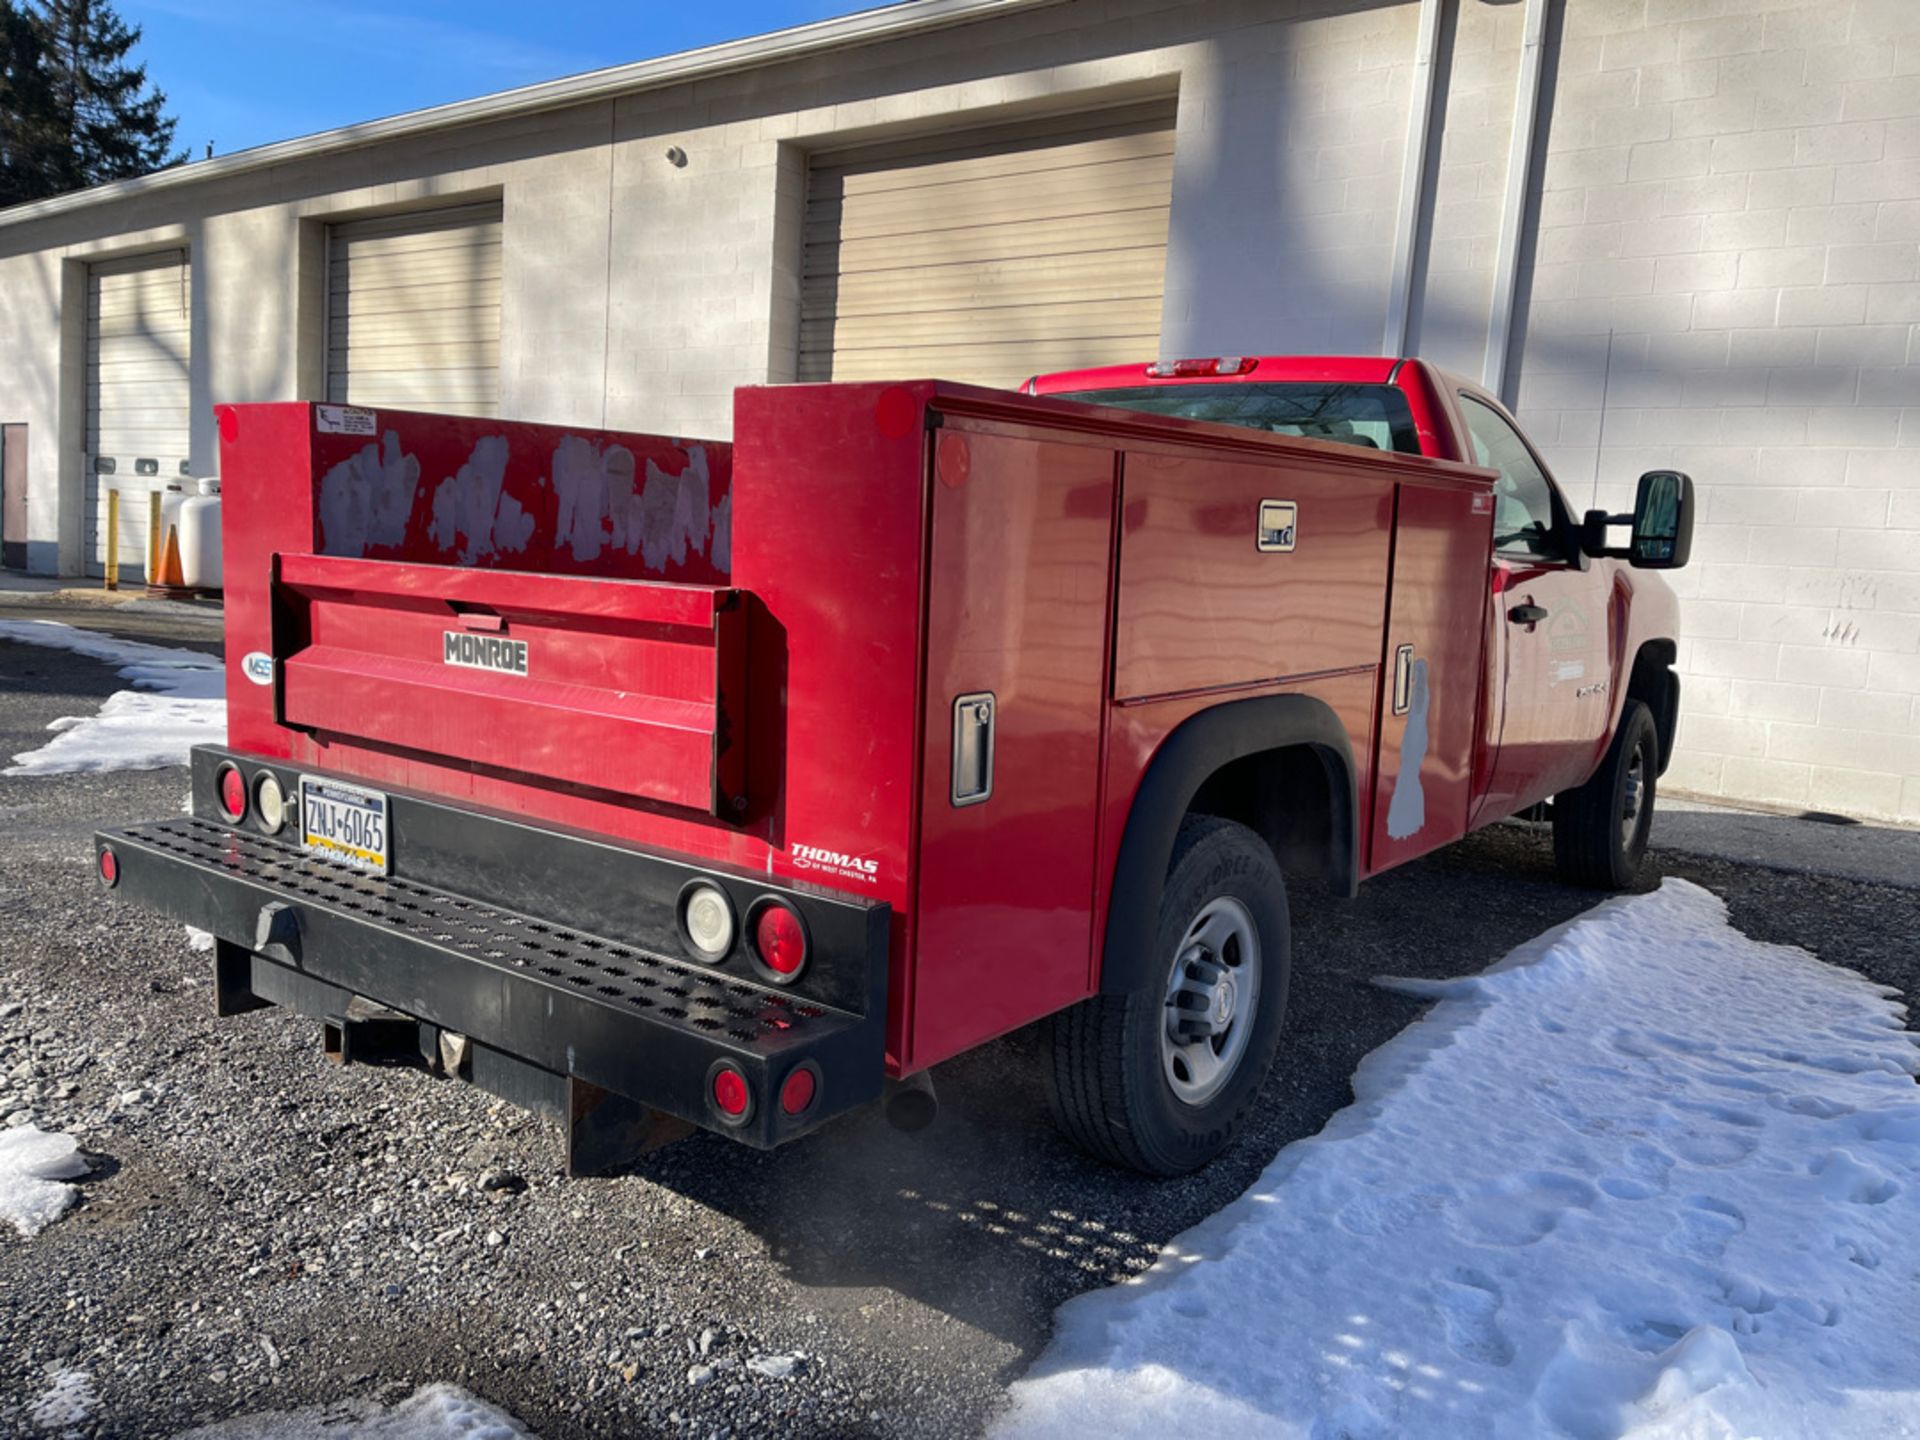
(1571, 634)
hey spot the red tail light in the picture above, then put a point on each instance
(233, 793)
(797, 1094)
(1179, 369)
(109, 867)
(731, 1097)
(780, 940)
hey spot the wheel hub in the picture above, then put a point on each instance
(1212, 994)
(1631, 796)
(1223, 999)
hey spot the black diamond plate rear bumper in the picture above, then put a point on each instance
(591, 1007)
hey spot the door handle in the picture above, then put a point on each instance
(1528, 614)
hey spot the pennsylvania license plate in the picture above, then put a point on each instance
(344, 823)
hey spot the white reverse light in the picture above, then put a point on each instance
(270, 802)
(709, 922)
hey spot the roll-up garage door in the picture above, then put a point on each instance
(413, 311)
(139, 399)
(988, 255)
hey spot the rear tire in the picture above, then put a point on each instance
(1160, 1079)
(1600, 829)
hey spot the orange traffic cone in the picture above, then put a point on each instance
(171, 582)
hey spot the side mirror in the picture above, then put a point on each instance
(1662, 521)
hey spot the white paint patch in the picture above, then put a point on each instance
(1408, 812)
(582, 477)
(365, 500)
(722, 543)
(604, 504)
(473, 507)
(1564, 670)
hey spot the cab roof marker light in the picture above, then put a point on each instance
(1183, 369)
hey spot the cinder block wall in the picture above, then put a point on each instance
(1732, 187)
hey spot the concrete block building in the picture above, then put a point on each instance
(1670, 232)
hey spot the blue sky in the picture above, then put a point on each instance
(241, 73)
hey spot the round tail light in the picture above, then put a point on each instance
(731, 1097)
(270, 801)
(232, 787)
(797, 1094)
(109, 867)
(779, 940)
(706, 921)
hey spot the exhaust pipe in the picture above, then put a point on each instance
(910, 1103)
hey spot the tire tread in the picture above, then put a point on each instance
(1086, 1050)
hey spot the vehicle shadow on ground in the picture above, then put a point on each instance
(991, 1218)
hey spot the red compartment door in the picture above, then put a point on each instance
(633, 687)
(1016, 610)
(1431, 674)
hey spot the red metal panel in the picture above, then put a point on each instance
(830, 483)
(1442, 541)
(1136, 732)
(1202, 608)
(654, 601)
(1017, 600)
(1556, 679)
(495, 494)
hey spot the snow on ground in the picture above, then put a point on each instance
(32, 1166)
(434, 1412)
(1646, 1177)
(178, 701)
(66, 1404)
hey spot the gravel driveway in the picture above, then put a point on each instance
(262, 1231)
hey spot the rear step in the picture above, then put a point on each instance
(579, 1006)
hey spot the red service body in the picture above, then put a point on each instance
(919, 681)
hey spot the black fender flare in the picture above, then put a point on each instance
(1186, 759)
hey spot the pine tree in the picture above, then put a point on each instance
(82, 114)
(27, 148)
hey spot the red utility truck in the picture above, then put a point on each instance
(659, 784)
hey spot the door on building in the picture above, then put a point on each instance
(139, 398)
(413, 311)
(13, 497)
(989, 254)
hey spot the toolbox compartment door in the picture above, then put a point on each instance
(1017, 619)
(1430, 675)
(632, 687)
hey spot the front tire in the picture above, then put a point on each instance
(1160, 1079)
(1600, 829)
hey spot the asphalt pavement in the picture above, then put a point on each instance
(263, 1231)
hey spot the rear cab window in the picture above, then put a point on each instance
(1374, 417)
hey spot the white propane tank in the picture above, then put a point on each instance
(199, 524)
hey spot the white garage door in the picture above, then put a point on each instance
(139, 401)
(990, 254)
(413, 311)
